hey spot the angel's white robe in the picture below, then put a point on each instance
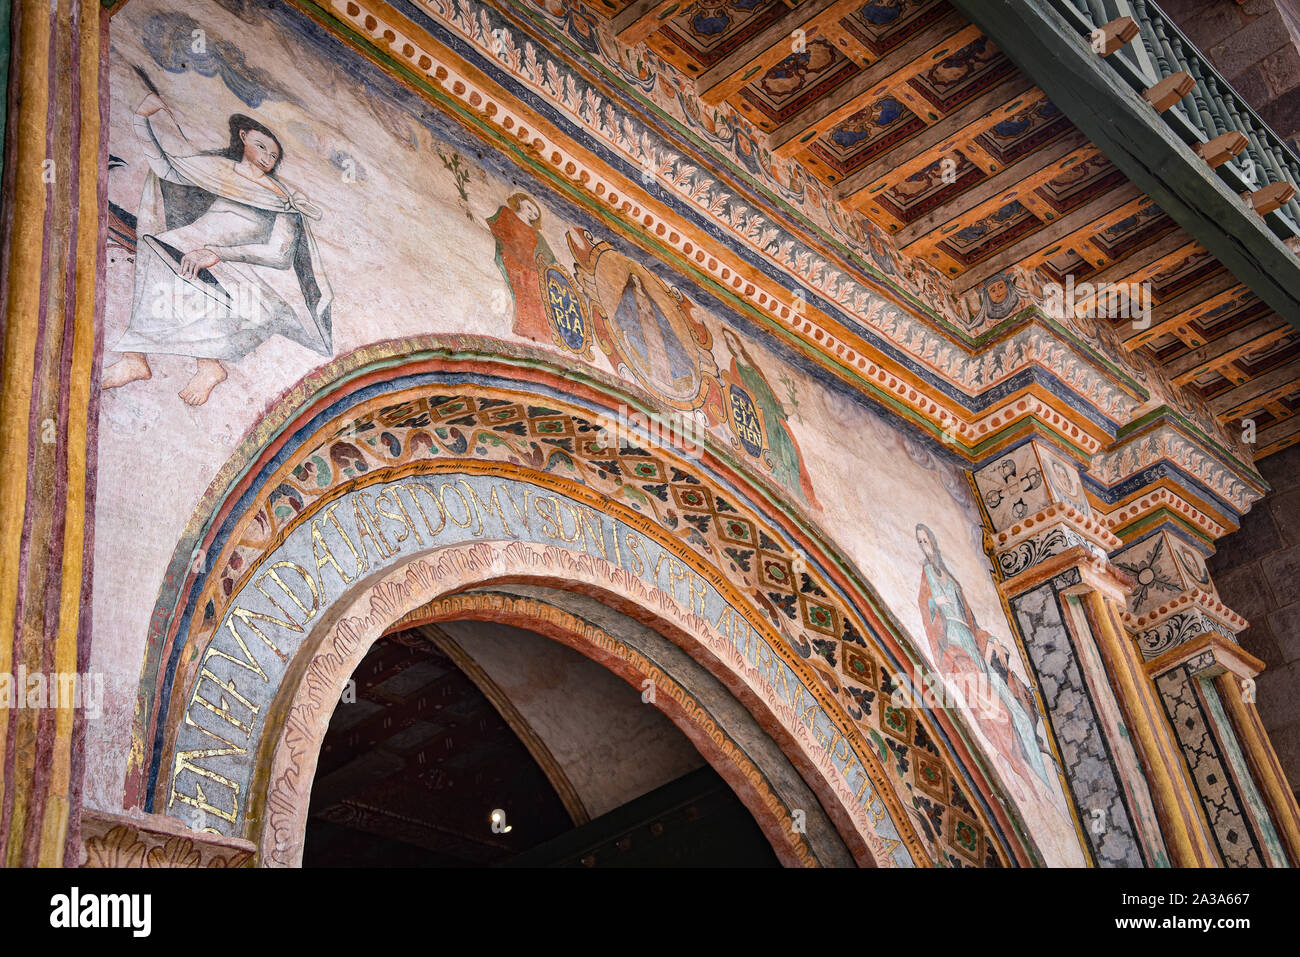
(269, 280)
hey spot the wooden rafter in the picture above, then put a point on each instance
(1090, 252)
(640, 18)
(1233, 373)
(898, 66)
(1149, 260)
(1227, 348)
(1012, 183)
(754, 58)
(1012, 95)
(1157, 160)
(1168, 316)
(1143, 263)
(1108, 208)
(1255, 393)
(1085, 234)
(1278, 436)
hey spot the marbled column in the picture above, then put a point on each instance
(1129, 783)
(48, 404)
(1206, 682)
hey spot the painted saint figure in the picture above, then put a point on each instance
(786, 459)
(522, 255)
(650, 333)
(975, 662)
(225, 257)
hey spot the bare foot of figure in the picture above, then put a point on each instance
(130, 368)
(210, 374)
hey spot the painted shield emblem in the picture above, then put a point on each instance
(648, 329)
(565, 310)
(744, 418)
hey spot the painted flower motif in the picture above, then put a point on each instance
(1148, 575)
(117, 848)
(177, 852)
(232, 859)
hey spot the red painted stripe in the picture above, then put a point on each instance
(76, 771)
(48, 719)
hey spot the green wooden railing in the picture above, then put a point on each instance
(1211, 109)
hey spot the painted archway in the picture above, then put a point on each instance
(406, 458)
(790, 816)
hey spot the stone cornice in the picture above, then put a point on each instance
(1163, 442)
(1127, 520)
(1202, 601)
(1059, 513)
(154, 841)
(1224, 654)
(1096, 573)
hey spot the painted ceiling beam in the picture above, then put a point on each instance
(1011, 183)
(1141, 264)
(1089, 218)
(1230, 346)
(754, 58)
(1257, 392)
(1013, 95)
(1207, 296)
(1086, 237)
(1146, 261)
(1279, 436)
(1129, 131)
(640, 18)
(898, 66)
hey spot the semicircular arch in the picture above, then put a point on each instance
(722, 541)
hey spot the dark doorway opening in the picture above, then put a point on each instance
(425, 746)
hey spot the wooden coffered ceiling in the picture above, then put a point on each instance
(913, 117)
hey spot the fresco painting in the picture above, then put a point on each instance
(962, 650)
(523, 256)
(224, 253)
(748, 390)
(270, 218)
(649, 330)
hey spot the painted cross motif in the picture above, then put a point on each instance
(1013, 487)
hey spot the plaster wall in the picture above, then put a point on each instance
(410, 237)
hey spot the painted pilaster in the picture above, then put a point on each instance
(1127, 777)
(1187, 637)
(48, 401)
(1263, 761)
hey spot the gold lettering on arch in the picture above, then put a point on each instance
(200, 773)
